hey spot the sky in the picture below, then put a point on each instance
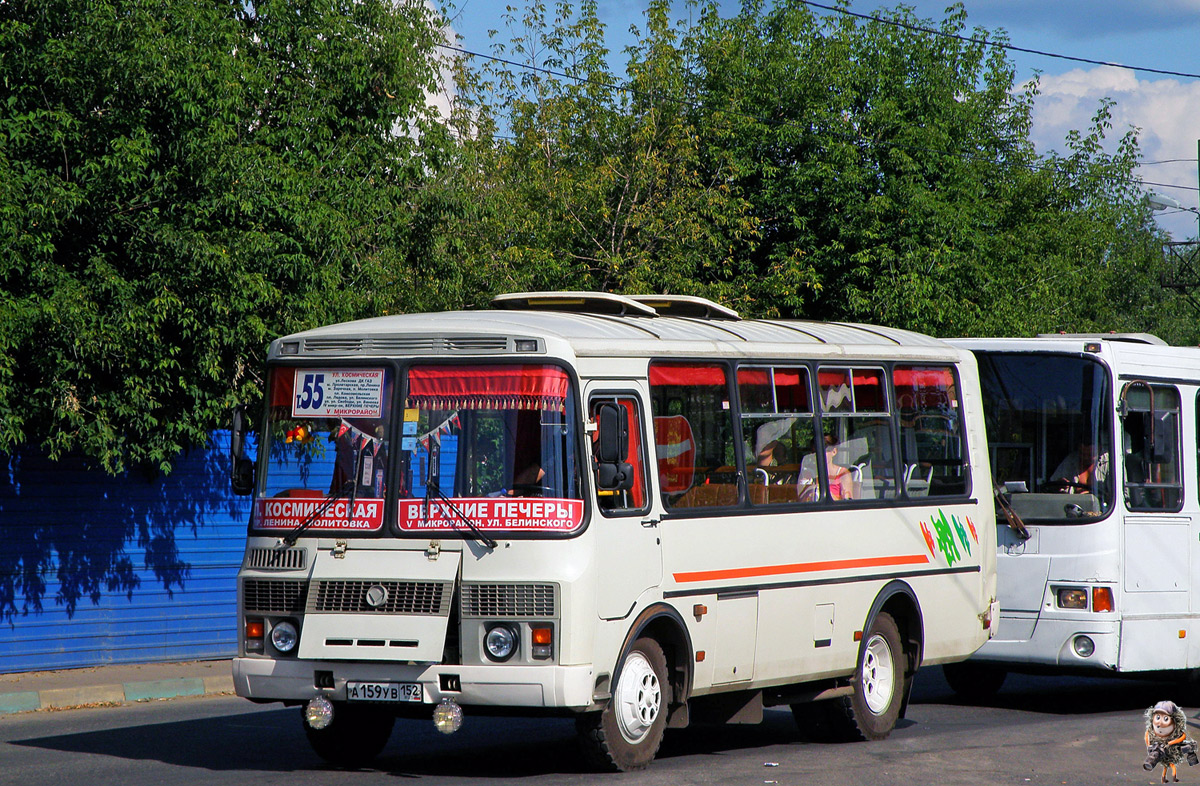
(1158, 35)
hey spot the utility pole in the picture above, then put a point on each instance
(1185, 276)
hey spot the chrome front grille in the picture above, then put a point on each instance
(402, 597)
(276, 559)
(274, 596)
(509, 600)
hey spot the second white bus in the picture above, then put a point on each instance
(1094, 446)
(640, 512)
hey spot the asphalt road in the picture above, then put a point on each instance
(1037, 730)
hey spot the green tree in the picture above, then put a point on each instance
(179, 183)
(790, 164)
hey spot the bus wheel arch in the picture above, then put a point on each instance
(889, 652)
(649, 688)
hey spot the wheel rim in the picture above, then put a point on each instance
(878, 674)
(638, 699)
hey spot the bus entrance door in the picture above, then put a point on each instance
(627, 552)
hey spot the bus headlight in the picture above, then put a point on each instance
(284, 636)
(1072, 598)
(1084, 646)
(500, 642)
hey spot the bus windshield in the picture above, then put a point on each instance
(327, 442)
(476, 439)
(1049, 427)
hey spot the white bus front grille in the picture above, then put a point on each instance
(400, 597)
(509, 600)
(274, 596)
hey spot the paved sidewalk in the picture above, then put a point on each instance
(118, 684)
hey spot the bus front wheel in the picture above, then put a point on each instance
(626, 734)
(355, 736)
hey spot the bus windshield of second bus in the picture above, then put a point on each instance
(1049, 430)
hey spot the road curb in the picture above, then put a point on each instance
(123, 693)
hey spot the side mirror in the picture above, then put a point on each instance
(612, 446)
(241, 473)
(613, 471)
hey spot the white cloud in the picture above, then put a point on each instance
(1166, 112)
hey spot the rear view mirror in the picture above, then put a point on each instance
(241, 472)
(613, 443)
(613, 471)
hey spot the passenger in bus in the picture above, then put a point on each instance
(841, 479)
(1082, 471)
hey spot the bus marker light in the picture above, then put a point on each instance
(1102, 599)
(699, 656)
(318, 713)
(699, 610)
(447, 716)
(254, 635)
(858, 635)
(1183, 634)
(543, 642)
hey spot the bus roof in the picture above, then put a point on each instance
(640, 331)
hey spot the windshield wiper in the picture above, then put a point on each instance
(475, 530)
(291, 537)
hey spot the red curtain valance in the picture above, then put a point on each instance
(488, 387)
(686, 374)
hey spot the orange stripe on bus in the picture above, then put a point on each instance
(801, 567)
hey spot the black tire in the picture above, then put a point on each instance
(880, 682)
(626, 734)
(974, 681)
(355, 737)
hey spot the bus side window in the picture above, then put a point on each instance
(931, 449)
(634, 499)
(856, 426)
(696, 447)
(1150, 447)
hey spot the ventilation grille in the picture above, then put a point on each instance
(509, 600)
(276, 559)
(403, 597)
(408, 345)
(273, 596)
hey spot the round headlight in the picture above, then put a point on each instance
(1084, 646)
(284, 636)
(500, 642)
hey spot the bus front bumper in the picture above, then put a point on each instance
(1043, 641)
(496, 686)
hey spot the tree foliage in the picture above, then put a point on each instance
(179, 183)
(790, 164)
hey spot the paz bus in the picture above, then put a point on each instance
(1093, 442)
(642, 512)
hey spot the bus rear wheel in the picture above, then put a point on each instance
(626, 734)
(355, 736)
(871, 711)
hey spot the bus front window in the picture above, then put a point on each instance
(480, 436)
(1050, 430)
(328, 438)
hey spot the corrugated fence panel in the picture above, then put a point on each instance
(131, 569)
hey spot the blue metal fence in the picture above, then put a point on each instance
(96, 569)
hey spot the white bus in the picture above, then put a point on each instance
(1093, 443)
(640, 512)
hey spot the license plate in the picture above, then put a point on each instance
(384, 691)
